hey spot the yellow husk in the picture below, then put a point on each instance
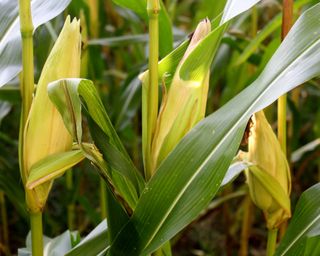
(184, 105)
(266, 153)
(45, 133)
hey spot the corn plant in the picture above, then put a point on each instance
(185, 155)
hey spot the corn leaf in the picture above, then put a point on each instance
(92, 244)
(312, 247)
(10, 39)
(270, 28)
(52, 167)
(304, 229)
(234, 171)
(190, 176)
(65, 94)
(234, 7)
(116, 215)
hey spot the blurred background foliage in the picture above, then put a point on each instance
(115, 48)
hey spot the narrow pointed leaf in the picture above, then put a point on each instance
(190, 176)
(304, 224)
(52, 167)
(10, 39)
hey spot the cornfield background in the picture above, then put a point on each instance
(115, 48)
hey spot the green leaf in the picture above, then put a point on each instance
(10, 39)
(312, 247)
(304, 224)
(116, 215)
(92, 244)
(234, 7)
(66, 94)
(118, 41)
(190, 176)
(298, 153)
(118, 163)
(271, 26)
(52, 167)
(165, 30)
(234, 171)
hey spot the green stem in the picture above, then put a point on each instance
(282, 122)
(272, 242)
(103, 199)
(26, 28)
(36, 233)
(153, 9)
(71, 207)
(27, 87)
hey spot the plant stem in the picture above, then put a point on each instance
(26, 28)
(272, 241)
(27, 86)
(71, 207)
(153, 8)
(36, 233)
(103, 199)
(287, 20)
(246, 225)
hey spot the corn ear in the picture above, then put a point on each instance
(45, 133)
(184, 104)
(269, 173)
